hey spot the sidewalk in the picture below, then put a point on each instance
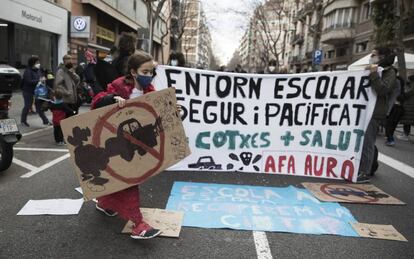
(33, 119)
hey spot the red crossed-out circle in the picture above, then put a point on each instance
(103, 123)
(366, 199)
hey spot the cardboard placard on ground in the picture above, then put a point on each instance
(114, 148)
(378, 231)
(169, 222)
(351, 193)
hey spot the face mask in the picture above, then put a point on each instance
(373, 60)
(272, 68)
(69, 65)
(174, 62)
(37, 65)
(144, 81)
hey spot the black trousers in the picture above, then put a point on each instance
(393, 118)
(57, 133)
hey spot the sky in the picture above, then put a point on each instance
(227, 20)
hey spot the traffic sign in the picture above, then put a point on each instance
(317, 57)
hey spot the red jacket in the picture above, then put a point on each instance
(120, 88)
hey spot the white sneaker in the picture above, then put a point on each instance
(403, 137)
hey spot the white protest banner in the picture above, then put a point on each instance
(309, 124)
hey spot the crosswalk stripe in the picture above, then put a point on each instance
(400, 166)
(24, 164)
(45, 166)
(262, 245)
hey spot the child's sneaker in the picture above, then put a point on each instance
(390, 143)
(109, 213)
(144, 231)
(61, 143)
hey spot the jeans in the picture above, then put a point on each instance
(367, 156)
(28, 101)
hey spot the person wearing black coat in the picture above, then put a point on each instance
(31, 77)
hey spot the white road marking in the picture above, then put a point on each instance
(400, 166)
(262, 245)
(24, 164)
(35, 131)
(45, 166)
(41, 149)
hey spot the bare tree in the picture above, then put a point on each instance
(271, 22)
(152, 17)
(316, 8)
(186, 16)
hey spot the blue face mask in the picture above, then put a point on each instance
(144, 81)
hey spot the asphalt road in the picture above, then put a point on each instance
(93, 235)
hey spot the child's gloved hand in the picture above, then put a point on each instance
(121, 101)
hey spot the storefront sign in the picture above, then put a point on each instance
(105, 34)
(29, 16)
(309, 124)
(38, 14)
(80, 26)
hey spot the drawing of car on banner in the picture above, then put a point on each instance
(205, 162)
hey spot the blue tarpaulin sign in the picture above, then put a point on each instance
(244, 207)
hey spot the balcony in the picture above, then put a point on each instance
(309, 55)
(297, 39)
(338, 33)
(297, 59)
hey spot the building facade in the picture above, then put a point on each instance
(342, 29)
(106, 20)
(196, 39)
(32, 27)
(267, 37)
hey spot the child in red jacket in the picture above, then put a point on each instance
(136, 82)
(60, 111)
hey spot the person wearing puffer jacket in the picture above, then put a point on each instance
(383, 86)
(136, 82)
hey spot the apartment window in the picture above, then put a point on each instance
(341, 52)
(366, 11)
(330, 54)
(339, 18)
(362, 46)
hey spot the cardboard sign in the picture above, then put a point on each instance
(114, 148)
(169, 222)
(351, 193)
(378, 231)
(308, 124)
(258, 208)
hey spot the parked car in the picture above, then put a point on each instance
(9, 132)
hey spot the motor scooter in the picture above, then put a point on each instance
(9, 132)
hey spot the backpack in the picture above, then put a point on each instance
(41, 91)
